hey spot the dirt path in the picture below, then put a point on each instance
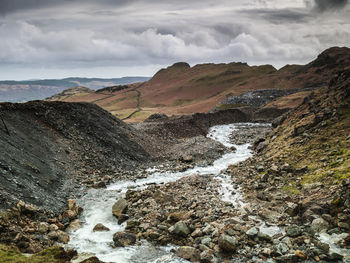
(137, 103)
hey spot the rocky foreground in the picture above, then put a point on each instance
(292, 200)
(267, 223)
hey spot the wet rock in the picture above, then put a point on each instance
(74, 225)
(123, 239)
(100, 228)
(319, 225)
(91, 260)
(227, 243)
(188, 253)
(335, 256)
(62, 237)
(180, 229)
(120, 207)
(122, 218)
(132, 224)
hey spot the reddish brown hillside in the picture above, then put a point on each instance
(181, 89)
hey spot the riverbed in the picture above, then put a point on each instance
(97, 204)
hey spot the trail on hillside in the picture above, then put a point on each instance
(138, 106)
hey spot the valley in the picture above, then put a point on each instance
(214, 163)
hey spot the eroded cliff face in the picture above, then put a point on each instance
(48, 147)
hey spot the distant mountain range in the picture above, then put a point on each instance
(21, 91)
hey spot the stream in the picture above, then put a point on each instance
(97, 205)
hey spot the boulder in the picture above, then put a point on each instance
(120, 207)
(74, 225)
(319, 225)
(180, 229)
(62, 237)
(123, 239)
(206, 256)
(252, 232)
(227, 243)
(122, 218)
(100, 228)
(188, 253)
(43, 227)
(294, 231)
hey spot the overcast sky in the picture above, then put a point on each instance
(114, 38)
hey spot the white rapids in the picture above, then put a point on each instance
(97, 204)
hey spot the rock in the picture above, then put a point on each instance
(132, 224)
(176, 216)
(206, 241)
(300, 254)
(43, 227)
(180, 229)
(53, 235)
(252, 232)
(74, 225)
(187, 159)
(91, 260)
(188, 253)
(282, 248)
(260, 168)
(122, 218)
(70, 214)
(72, 205)
(294, 231)
(53, 227)
(292, 209)
(120, 207)
(206, 256)
(62, 237)
(319, 225)
(227, 243)
(123, 239)
(261, 146)
(100, 228)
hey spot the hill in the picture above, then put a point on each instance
(21, 91)
(182, 89)
(47, 147)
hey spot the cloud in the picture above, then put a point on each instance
(77, 34)
(325, 5)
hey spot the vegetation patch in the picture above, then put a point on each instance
(51, 255)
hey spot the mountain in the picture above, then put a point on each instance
(182, 89)
(21, 91)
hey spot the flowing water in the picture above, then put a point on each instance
(97, 204)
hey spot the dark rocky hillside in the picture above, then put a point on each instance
(46, 147)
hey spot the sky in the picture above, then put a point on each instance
(114, 38)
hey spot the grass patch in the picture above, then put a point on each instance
(230, 106)
(50, 255)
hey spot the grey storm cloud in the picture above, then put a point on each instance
(324, 5)
(139, 37)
